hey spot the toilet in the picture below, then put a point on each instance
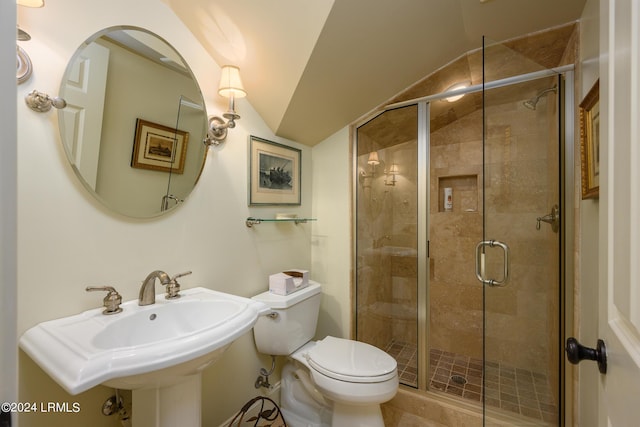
(331, 382)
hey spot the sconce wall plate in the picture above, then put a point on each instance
(217, 131)
(23, 66)
(41, 102)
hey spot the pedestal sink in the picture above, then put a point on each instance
(158, 350)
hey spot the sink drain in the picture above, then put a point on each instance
(458, 379)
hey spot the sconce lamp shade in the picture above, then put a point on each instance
(393, 169)
(30, 3)
(373, 158)
(230, 82)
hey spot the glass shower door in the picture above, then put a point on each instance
(386, 237)
(519, 258)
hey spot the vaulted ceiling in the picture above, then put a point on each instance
(311, 67)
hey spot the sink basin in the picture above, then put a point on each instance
(143, 346)
(165, 321)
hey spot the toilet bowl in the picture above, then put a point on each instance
(356, 377)
(335, 378)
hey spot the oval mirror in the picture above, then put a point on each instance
(134, 122)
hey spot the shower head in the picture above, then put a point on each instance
(531, 103)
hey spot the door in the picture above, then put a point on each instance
(619, 207)
(519, 259)
(85, 92)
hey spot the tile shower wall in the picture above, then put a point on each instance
(387, 253)
(455, 295)
(521, 168)
(522, 159)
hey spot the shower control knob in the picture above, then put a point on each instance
(576, 353)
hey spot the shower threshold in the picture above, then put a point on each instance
(516, 390)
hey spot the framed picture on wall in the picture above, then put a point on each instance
(590, 142)
(274, 173)
(159, 147)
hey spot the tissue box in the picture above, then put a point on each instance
(288, 281)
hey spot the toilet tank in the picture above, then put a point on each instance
(292, 322)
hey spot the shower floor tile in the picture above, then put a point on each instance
(406, 357)
(513, 389)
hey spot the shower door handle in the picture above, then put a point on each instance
(480, 270)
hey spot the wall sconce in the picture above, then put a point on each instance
(30, 3)
(393, 171)
(456, 87)
(372, 161)
(230, 87)
(24, 67)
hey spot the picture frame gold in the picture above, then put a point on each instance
(274, 173)
(159, 148)
(590, 142)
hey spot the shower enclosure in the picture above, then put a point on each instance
(459, 256)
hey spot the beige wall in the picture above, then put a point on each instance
(331, 240)
(67, 241)
(586, 292)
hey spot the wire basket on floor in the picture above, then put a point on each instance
(259, 412)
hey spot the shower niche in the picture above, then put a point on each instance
(463, 195)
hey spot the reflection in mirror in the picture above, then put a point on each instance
(119, 77)
(190, 115)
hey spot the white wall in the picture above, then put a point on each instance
(67, 241)
(8, 211)
(587, 281)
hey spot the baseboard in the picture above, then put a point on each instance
(273, 393)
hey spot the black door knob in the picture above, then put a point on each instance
(576, 353)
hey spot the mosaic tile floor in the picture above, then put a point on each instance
(406, 357)
(516, 390)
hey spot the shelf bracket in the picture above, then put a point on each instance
(250, 222)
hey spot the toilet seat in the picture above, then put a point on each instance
(351, 361)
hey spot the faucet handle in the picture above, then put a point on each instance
(186, 273)
(173, 287)
(111, 302)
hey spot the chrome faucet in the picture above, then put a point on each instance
(148, 289)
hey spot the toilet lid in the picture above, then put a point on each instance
(351, 361)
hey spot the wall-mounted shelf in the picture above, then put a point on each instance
(250, 222)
